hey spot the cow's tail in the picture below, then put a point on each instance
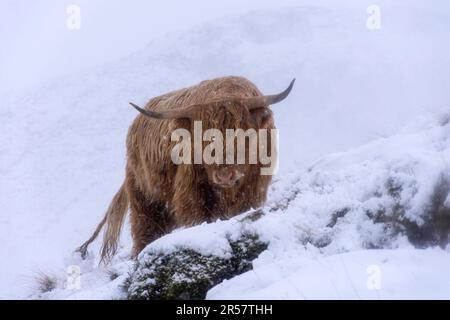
(114, 219)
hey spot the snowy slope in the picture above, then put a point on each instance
(62, 150)
(374, 274)
(314, 253)
(330, 265)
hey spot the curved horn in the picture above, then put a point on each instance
(171, 114)
(265, 101)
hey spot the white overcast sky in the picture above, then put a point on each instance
(36, 44)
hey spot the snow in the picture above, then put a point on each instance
(366, 109)
(201, 238)
(338, 270)
(369, 274)
(310, 258)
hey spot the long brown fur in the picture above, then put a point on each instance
(163, 196)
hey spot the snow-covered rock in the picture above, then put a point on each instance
(188, 274)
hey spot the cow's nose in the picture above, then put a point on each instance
(224, 176)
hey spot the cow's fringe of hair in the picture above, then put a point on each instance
(114, 219)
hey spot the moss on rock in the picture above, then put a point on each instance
(187, 274)
(433, 227)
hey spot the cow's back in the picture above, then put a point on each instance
(204, 92)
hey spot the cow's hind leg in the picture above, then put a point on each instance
(149, 220)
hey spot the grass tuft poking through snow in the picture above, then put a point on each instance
(45, 282)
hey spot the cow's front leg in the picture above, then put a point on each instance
(149, 220)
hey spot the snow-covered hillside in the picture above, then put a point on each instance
(330, 228)
(62, 153)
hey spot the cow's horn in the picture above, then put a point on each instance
(265, 101)
(171, 114)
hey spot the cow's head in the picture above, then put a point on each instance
(235, 114)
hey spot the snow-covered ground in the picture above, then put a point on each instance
(323, 240)
(375, 274)
(62, 152)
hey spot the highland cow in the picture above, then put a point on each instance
(162, 195)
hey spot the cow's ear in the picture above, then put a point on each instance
(263, 117)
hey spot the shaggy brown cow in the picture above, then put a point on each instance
(162, 195)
